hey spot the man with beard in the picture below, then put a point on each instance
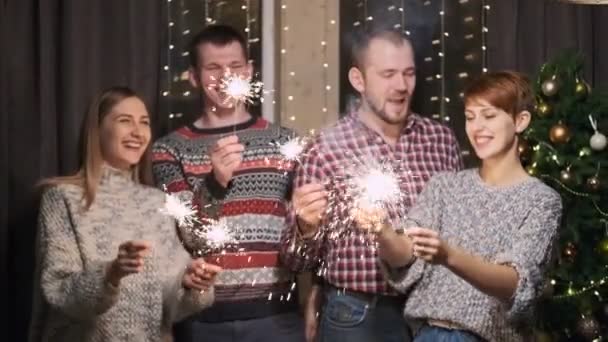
(359, 304)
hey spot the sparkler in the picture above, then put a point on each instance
(217, 234)
(292, 149)
(239, 88)
(180, 208)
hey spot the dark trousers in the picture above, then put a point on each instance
(287, 327)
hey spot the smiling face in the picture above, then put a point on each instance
(491, 130)
(213, 62)
(496, 111)
(125, 133)
(386, 79)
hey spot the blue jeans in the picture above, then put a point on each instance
(351, 319)
(437, 334)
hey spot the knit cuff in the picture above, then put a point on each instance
(404, 277)
(520, 306)
(215, 189)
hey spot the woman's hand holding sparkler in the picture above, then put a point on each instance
(226, 156)
(200, 275)
(428, 246)
(130, 260)
(310, 203)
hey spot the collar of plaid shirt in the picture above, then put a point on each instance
(349, 258)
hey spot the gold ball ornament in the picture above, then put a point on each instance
(581, 89)
(593, 183)
(569, 251)
(602, 248)
(565, 176)
(559, 134)
(550, 86)
(531, 170)
(524, 149)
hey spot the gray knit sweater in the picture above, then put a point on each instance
(513, 225)
(72, 302)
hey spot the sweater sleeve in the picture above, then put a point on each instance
(77, 289)
(425, 213)
(530, 254)
(180, 302)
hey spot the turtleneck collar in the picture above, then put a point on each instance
(113, 176)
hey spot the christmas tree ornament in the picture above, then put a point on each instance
(565, 175)
(588, 327)
(581, 88)
(559, 133)
(531, 170)
(524, 150)
(543, 109)
(593, 183)
(569, 251)
(598, 140)
(602, 248)
(550, 86)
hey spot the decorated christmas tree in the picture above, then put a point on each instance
(565, 147)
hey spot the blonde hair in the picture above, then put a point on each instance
(91, 160)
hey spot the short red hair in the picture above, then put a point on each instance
(507, 90)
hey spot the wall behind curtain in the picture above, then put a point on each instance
(55, 56)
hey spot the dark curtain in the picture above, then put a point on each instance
(523, 34)
(55, 55)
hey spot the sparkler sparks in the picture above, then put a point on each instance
(376, 187)
(239, 89)
(217, 234)
(180, 209)
(292, 149)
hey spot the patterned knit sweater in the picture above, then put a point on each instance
(72, 301)
(513, 225)
(253, 284)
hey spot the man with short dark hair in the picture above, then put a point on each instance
(230, 161)
(359, 304)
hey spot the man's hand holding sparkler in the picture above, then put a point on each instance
(370, 218)
(200, 275)
(226, 156)
(310, 203)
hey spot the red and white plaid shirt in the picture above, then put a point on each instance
(424, 148)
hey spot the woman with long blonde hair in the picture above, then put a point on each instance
(110, 266)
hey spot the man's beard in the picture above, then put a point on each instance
(381, 113)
